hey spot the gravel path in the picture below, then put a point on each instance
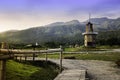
(97, 70)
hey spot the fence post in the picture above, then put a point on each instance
(33, 56)
(2, 69)
(61, 59)
(46, 56)
(25, 58)
(20, 58)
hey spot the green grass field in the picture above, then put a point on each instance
(38, 70)
(98, 48)
(89, 56)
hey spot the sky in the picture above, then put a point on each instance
(23, 14)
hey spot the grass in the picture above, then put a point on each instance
(98, 48)
(102, 56)
(38, 70)
(83, 49)
(108, 47)
(72, 49)
(90, 56)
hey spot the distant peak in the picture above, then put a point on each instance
(56, 23)
(73, 22)
(118, 18)
(104, 18)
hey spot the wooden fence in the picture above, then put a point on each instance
(6, 54)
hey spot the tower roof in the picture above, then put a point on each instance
(89, 23)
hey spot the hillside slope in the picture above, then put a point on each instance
(65, 32)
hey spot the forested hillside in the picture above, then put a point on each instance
(65, 33)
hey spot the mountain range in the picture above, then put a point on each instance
(66, 32)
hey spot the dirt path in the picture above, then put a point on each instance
(97, 70)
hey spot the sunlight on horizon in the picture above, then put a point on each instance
(25, 14)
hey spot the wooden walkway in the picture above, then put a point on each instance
(72, 74)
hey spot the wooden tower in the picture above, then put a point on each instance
(89, 35)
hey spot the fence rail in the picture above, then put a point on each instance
(4, 57)
(3, 51)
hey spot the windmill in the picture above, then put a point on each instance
(89, 35)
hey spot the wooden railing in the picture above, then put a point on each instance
(6, 54)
